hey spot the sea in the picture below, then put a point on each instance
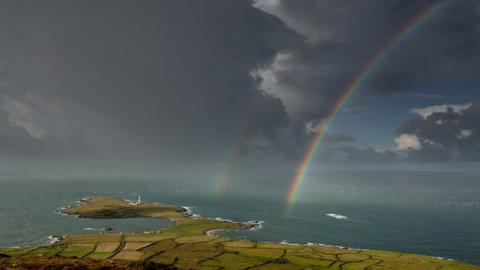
(431, 213)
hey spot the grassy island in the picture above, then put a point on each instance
(191, 244)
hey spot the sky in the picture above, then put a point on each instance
(223, 81)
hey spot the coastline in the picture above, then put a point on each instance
(212, 232)
(193, 243)
(188, 213)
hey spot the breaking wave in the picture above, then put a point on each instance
(337, 216)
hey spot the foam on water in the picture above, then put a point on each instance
(337, 216)
(189, 212)
(256, 224)
(253, 224)
(52, 239)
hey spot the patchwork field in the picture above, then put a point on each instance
(186, 246)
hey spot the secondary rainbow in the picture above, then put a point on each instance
(231, 156)
(350, 90)
(222, 179)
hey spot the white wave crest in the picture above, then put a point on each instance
(285, 242)
(337, 216)
(256, 224)
(253, 225)
(189, 212)
(224, 219)
(52, 239)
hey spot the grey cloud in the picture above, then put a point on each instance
(446, 135)
(340, 37)
(167, 78)
(16, 141)
(190, 79)
(427, 111)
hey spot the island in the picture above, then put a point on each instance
(192, 243)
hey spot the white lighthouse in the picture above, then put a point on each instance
(139, 200)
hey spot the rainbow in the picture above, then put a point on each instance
(350, 90)
(222, 178)
(232, 155)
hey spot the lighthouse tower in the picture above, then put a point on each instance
(139, 200)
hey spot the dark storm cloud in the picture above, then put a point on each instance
(445, 135)
(340, 37)
(159, 77)
(192, 79)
